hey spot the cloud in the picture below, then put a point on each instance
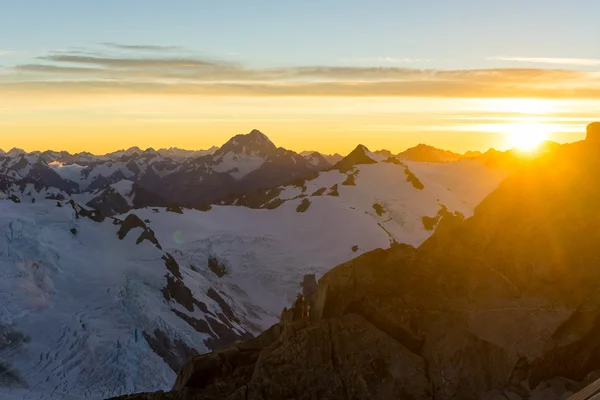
(6, 52)
(440, 88)
(124, 62)
(75, 73)
(583, 62)
(140, 47)
(391, 60)
(41, 68)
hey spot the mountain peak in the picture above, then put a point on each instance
(426, 153)
(15, 151)
(360, 155)
(254, 143)
(256, 132)
(317, 160)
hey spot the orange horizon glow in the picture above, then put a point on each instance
(329, 125)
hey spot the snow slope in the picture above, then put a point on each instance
(86, 304)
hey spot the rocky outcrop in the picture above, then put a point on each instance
(175, 353)
(309, 286)
(217, 267)
(133, 221)
(109, 202)
(303, 206)
(593, 132)
(342, 364)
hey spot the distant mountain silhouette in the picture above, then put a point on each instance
(426, 153)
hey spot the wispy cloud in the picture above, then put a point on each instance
(6, 52)
(583, 62)
(140, 47)
(41, 68)
(124, 62)
(162, 74)
(389, 60)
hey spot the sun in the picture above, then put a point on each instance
(527, 137)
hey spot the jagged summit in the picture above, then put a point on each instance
(124, 152)
(360, 155)
(384, 152)
(254, 143)
(15, 151)
(426, 153)
(331, 158)
(177, 153)
(316, 159)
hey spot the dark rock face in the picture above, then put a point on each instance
(41, 173)
(379, 209)
(593, 132)
(174, 208)
(217, 267)
(109, 202)
(412, 178)
(309, 286)
(94, 215)
(102, 181)
(222, 303)
(298, 311)
(303, 206)
(175, 353)
(133, 221)
(337, 367)
(356, 157)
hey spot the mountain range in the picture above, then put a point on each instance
(108, 289)
(502, 304)
(117, 269)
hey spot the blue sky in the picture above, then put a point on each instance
(425, 34)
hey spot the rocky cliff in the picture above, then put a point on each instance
(503, 305)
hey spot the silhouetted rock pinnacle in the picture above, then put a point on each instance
(593, 132)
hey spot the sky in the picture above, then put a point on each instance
(311, 74)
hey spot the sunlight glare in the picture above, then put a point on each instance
(527, 137)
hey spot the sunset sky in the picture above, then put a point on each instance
(312, 74)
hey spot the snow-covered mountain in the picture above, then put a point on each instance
(331, 158)
(177, 154)
(246, 162)
(317, 160)
(95, 306)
